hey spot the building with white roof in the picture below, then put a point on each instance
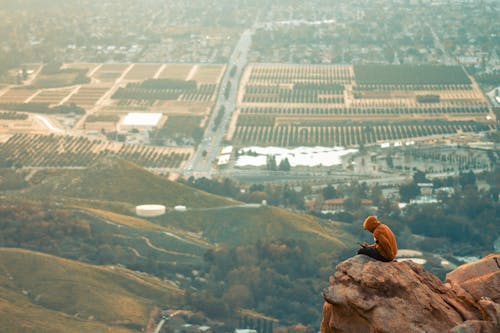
(141, 120)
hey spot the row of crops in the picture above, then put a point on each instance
(359, 111)
(409, 87)
(412, 75)
(346, 135)
(294, 73)
(13, 116)
(135, 91)
(328, 93)
(70, 151)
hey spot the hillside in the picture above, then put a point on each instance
(234, 226)
(111, 188)
(62, 294)
(118, 181)
(19, 315)
(97, 236)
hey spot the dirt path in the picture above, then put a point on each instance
(154, 247)
(192, 72)
(137, 254)
(159, 71)
(72, 92)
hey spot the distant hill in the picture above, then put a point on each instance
(98, 236)
(234, 226)
(44, 293)
(112, 187)
(113, 180)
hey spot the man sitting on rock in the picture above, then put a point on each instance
(385, 247)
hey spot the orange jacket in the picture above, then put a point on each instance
(385, 241)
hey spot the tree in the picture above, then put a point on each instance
(467, 178)
(271, 163)
(329, 192)
(419, 177)
(408, 191)
(284, 165)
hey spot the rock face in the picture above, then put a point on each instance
(372, 296)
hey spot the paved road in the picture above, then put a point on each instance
(202, 164)
(48, 124)
(160, 325)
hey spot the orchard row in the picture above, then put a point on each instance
(347, 135)
(71, 151)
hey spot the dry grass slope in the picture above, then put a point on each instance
(62, 288)
(121, 181)
(239, 226)
(19, 315)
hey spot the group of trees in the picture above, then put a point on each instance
(218, 117)
(44, 108)
(13, 116)
(180, 129)
(258, 130)
(52, 76)
(165, 89)
(272, 165)
(284, 195)
(466, 219)
(11, 179)
(466, 216)
(278, 278)
(410, 75)
(301, 93)
(360, 110)
(69, 151)
(280, 73)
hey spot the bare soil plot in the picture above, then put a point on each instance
(142, 72)
(183, 108)
(109, 73)
(17, 95)
(209, 74)
(51, 96)
(88, 95)
(55, 80)
(83, 66)
(176, 71)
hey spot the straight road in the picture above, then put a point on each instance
(202, 164)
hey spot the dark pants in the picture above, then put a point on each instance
(373, 253)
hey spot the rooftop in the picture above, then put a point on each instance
(142, 119)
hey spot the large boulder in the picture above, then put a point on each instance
(480, 278)
(372, 296)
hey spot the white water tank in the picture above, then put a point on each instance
(150, 210)
(180, 208)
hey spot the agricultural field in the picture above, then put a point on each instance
(141, 72)
(334, 105)
(109, 73)
(54, 76)
(52, 96)
(208, 73)
(93, 97)
(18, 95)
(87, 96)
(59, 151)
(177, 71)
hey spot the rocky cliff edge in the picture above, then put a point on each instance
(372, 296)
